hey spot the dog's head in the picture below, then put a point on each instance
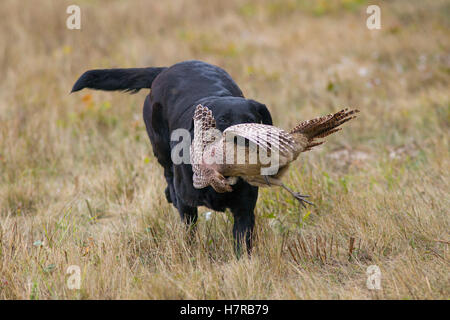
(229, 111)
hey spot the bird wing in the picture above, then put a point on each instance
(265, 136)
(203, 123)
(203, 116)
(200, 180)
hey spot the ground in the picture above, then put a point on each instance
(79, 185)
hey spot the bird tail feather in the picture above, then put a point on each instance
(322, 126)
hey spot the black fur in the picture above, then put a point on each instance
(175, 92)
(128, 80)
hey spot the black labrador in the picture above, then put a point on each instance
(175, 92)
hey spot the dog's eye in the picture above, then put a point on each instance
(223, 119)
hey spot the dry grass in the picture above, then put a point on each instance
(79, 184)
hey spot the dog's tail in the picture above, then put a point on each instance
(128, 80)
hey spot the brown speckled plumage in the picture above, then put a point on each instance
(211, 149)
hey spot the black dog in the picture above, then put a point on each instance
(175, 92)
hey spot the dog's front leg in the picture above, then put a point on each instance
(244, 223)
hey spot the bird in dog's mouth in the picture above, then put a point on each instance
(259, 154)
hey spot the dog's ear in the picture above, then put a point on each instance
(266, 118)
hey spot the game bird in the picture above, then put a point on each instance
(250, 150)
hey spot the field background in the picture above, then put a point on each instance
(79, 184)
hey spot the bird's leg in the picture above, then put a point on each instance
(267, 180)
(298, 196)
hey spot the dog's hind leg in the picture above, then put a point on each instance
(189, 216)
(170, 191)
(159, 137)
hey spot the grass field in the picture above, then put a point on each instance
(79, 184)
